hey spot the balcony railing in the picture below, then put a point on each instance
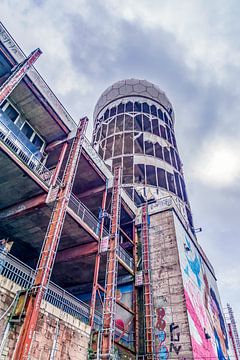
(84, 213)
(14, 143)
(125, 257)
(23, 275)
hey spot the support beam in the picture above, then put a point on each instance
(59, 164)
(77, 252)
(52, 146)
(92, 192)
(22, 208)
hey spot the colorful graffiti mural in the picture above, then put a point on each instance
(206, 320)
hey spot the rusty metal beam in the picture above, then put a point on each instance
(52, 146)
(23, 207)
(77, 252)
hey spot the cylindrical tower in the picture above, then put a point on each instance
(134, 127)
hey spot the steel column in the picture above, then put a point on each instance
(59, 164)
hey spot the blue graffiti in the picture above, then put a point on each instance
(194, 264)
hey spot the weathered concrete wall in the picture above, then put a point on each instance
(73, 335)
(170, 321)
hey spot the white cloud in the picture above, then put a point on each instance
(217, 163)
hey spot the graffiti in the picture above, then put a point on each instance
(160, 334)
(175, 337)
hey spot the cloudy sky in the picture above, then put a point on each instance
(191, 49)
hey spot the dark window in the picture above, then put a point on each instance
(119, 123)
(183, 189)
(117, 162)
(97, 137)
(138, 122)
(11, 112)
(189, 215)
(128, 143)
(106, 114)
(27, 130)
(166, 119)
(146, 123)
(113, 111)
(129, 106)
(137, 107)
(128, 122)
(168, 135)
(171, 185)
(139, 173)
(37, 141)
(158, 151)
(151, 175)
(173, 160)
(174, 140)
(120, 108)
(104, 130)
(155, 127)
(109, 148)
(128, 169)
(154, 110)
(146, 108)
(138, 143)
(163, 132)
(178, 162)
(160, 114)
(111, 127)
(118, 144)
(167, 155)
(177, 181)
(149, 148)
(161, 178)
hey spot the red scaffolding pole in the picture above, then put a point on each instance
(147, 288)
(17, 74)
(49, 248)
(97, 261)
(106, 350)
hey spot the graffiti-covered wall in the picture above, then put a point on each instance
(205, 315)
(172, 337)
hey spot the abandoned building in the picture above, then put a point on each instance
(99, 256)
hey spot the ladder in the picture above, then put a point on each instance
(107, 335)
(49, 247)
(147, 288)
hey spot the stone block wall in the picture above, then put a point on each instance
(55, 330)
(172, 336)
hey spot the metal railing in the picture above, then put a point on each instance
(125, 257)
(84, 213)
(24, 154)
(23, 275)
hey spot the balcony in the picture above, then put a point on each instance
(22, 147)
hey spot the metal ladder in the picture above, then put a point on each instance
(107, 334)
(49, 248)
(147, 289)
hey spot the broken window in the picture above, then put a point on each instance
(128, 123)
(171, 184)
(138, 123)
(154, 110)
(129, 106)
(109, 147)
(151, 175)
(119, 123)
(118, 144)
(139, 173)
(146, 124)
(128, 143)
(138, 143)
(149, 148)
(146, 108)
(160, 114)
(111, 127)
(163, 132)
(158, 151)
(155, 127)
(137, 107)
(161, 178)
(167, 155)
(120, 108)
(113, 111)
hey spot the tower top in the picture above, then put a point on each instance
(132, 87)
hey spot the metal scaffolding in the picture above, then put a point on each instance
(48, 253)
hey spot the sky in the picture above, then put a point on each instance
(191, 50)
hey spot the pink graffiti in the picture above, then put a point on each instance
(161, 349)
